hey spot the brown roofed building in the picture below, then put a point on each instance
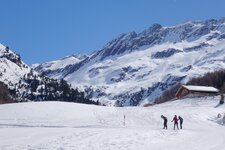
(185, 90)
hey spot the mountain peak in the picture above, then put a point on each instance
(121, 37)
(154, 28)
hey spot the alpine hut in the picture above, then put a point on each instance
(185, 90)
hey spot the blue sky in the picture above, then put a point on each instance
(44, 30)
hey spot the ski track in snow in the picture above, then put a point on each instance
(70, 126)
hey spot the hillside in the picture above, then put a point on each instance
(25, 84)
(60, 125)
(12, 68)
(53, 68)
(135, 68)
(214, 79)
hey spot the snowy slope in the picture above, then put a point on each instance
(12, 69)
(53, 68)
(25, 84)
(70, 126)
(138, 67)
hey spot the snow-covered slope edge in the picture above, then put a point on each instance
(138, 67)
(58, 125)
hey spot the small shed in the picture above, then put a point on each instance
(185, 90)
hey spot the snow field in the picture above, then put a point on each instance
(66, 126)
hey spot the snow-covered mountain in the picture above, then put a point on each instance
(53, 68)
(19, 77)
(12, 69)
(26, 84)
(138, 67)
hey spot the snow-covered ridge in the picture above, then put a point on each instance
(12, 69)
(60, 125)
(52, 68)
(138, 67)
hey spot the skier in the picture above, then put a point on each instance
(181, 121)
(223, 120)
(164, 122)
(175, 120)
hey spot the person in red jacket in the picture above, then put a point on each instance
(175, 120)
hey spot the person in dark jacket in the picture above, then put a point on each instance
(181, 121)
(175, 120)
(164, 122)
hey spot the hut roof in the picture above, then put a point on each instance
(201, 88)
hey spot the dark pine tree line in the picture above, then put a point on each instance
(40, 88)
